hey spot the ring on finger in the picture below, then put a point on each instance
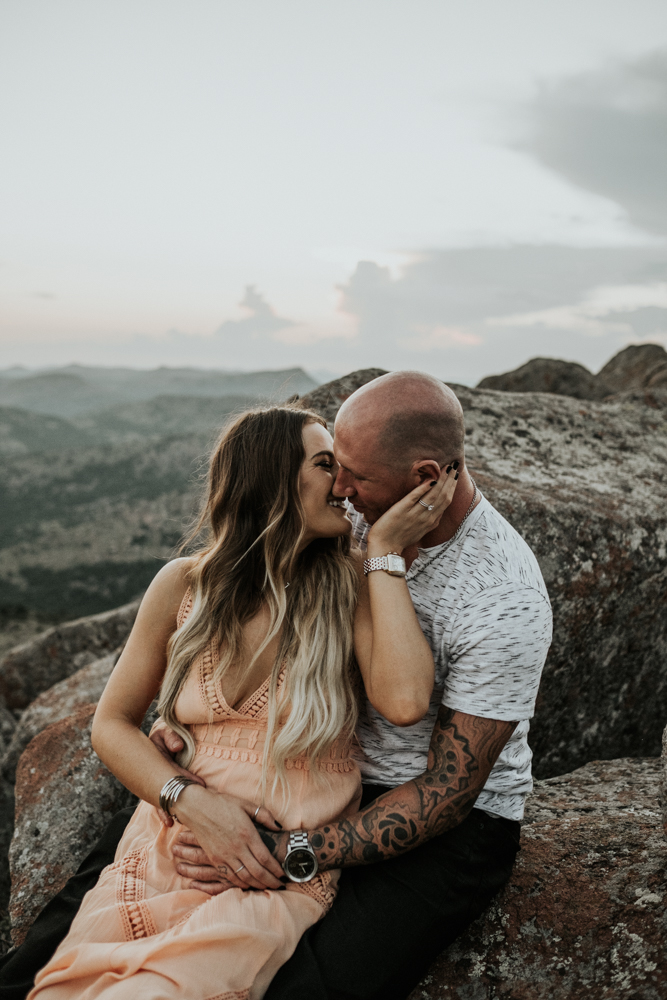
(254, 815)
(239, 869)
(429, 506)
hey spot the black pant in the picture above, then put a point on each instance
(389, 920)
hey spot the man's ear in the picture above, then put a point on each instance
(428, 468)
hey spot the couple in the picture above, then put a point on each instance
(229, 879)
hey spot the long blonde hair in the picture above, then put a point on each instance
(255, 523)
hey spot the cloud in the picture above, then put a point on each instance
(606, 309)
(261, 321)
(606, 131)
(464, 313)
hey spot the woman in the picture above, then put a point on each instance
(250, 643)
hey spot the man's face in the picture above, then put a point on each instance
(371, 488)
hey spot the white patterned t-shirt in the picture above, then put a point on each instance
(483, 606)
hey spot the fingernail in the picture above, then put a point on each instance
(284, 878)
(448, 470)
(455, 465)
(279, 825)
(433, 482)
(456, 476)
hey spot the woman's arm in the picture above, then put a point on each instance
(221, 822)
(395, 659)
(116, 736)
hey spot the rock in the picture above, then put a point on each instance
(65, 797)
(565, 378)
(635, 368)
(584, 913)
(7, 728)
(658, 380)
(35, 666)
(585, 483)
(85, 687)
(6, 831)
(586, 486)
(328, 398)
(663, 777)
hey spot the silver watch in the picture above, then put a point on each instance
(392, 563)
(300, 864)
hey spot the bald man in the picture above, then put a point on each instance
(438, 829)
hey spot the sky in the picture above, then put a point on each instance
(391, 183)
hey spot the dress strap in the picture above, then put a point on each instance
(185, 608)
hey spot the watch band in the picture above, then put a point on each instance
(378, 562)
(298, 838)
(392, 563)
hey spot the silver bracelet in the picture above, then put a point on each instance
(171, 790)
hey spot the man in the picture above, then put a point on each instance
(438, 828)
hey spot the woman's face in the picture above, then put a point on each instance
(325, 515)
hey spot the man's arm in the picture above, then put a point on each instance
(463, 750)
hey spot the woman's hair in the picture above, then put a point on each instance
(255, 523)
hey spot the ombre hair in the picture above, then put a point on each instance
(254, 524)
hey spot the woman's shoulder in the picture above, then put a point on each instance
(169, 586)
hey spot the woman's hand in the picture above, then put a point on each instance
(169, 744)
(222, 826)
(408, 521)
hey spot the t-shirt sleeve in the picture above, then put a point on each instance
(498, 644)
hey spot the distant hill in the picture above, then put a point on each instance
(76, 389)
(94, 499)
(23, 432)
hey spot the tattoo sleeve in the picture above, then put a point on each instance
(463, 750)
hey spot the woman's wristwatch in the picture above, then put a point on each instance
(300, 864)
(392, 563)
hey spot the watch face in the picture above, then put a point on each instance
(395, 564)
(300, 865)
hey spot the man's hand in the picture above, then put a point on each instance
(170, 743)
(463, 750)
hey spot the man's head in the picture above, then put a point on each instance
(392, 434)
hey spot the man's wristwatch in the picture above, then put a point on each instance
(392, 563)
(300, 864)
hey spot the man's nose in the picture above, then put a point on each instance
(342, 486)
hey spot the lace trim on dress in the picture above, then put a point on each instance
(320, 890)
(130, 892)
(294, 763)
(185, 608)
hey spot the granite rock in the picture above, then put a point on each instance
(565, 378)
(635, 367)
(585, 483)
(82, 688)
(65, 797)
(584, 912)
(35, 666)
(639, 366)
(7, 728)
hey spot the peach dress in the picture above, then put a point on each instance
(141, 934)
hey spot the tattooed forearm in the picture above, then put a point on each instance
(463, 750)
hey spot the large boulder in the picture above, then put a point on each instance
(35, 666)
(585, 485)
(65, 797)
(85, 687)
(584, 913)
(636, 367)
(565, 378)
